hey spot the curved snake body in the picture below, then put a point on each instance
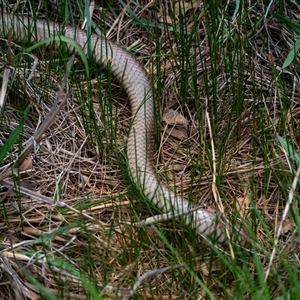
(137, 84)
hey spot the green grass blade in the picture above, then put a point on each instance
(66, 40)
(289, 22)
(14, 136)
(292, 54)
(289, 149)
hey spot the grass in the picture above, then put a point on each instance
(219, 67)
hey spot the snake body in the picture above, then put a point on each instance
(137, 84)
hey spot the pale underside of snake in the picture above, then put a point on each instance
(141, 144)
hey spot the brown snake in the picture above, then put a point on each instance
(141, 144)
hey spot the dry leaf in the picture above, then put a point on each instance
(207, 268)
(165, 19)
(172, 117)
(181, 7)
(286, 226)
(84, 182)
(178, 134)
(242, 205)
(26, 164)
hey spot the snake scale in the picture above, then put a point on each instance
(141, 144)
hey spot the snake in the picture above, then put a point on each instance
(141, 144)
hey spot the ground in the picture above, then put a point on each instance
(227, 137)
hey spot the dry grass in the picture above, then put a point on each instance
(67, 225)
